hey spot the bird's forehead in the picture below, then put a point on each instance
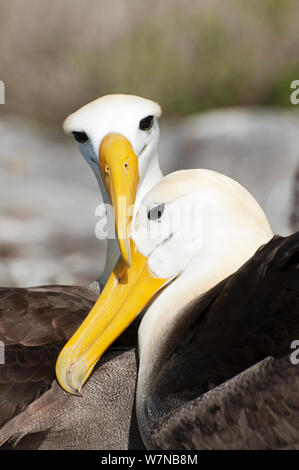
(111, 113)
(173, 187)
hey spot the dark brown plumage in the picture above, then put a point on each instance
(103, 418)
(251, 315)
(257, 409)
(34, 325)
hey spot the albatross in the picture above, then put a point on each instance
(223, 295)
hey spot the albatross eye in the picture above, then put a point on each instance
(146, 123)
(156, 212)
(80, 137)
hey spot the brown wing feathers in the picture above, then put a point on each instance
(257, 409)
(254, 315)
(34, 325)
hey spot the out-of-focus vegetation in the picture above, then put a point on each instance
(189, 55)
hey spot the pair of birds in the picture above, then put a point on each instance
(214, 368)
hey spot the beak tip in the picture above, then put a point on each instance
(70, 376)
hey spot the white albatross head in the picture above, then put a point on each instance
(118, 137)
(195, 225)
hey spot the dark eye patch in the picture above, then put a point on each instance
(146, 123)
(156, 212)
(80, 137)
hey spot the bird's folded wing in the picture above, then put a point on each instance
(257, 409)
(34, 325)
(102, 418)
(254, 316)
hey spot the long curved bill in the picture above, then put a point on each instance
(118, 165)
(127, 292)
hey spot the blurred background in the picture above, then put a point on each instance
(220, 70)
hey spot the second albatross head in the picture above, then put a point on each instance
(118, 136)
(194, 225)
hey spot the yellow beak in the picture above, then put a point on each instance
(127, 292)
(118, 165)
